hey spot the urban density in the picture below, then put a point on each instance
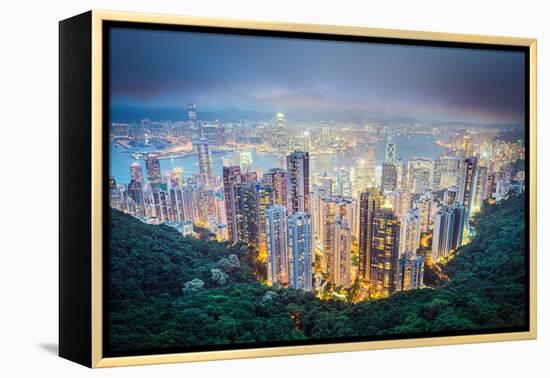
(331, 207)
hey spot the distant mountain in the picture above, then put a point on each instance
(124, 113)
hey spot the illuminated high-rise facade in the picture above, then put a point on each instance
(193, 122)
(297, 164)
(339, 264)
(409, 239)
(448, 230)
(389, 177)
(276, 223)
(280, 132)
(391, 156)
(136, 173)
(369, 204)
(411, 272)
(206, 170)
(468, 183)
(384, 260)
(152, 167)
(231, 177)
(277, 179)
(300, 251)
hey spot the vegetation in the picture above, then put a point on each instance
(168, 291)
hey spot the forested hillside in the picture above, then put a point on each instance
(167, 291)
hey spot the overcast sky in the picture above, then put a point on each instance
(170, 69)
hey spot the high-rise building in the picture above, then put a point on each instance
(391, 155)
(277, 179)
(343, 182)
(193, 122)
(339, 264)
(389, 177)
(231, 177)
(205, 163)
(468, 182)
(297, 164)
(176, 177)
(420, 175)
(265, 200)
(410, 233)
(369, 204)
(448, 230)
(481, 186)
(384, 260)
(451, 195)
(370, 165)
(247, 213)
(411, 272)
(280, 132)
(300, 251)
(136, 173)
(402, 205)
(427, 207)
(152, 167)
(277, 245)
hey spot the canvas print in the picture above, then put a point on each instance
(270, 190)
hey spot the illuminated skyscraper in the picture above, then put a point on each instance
(300, 251)
(339, 264)
(193, 123)
(277, 245)
(448, 230)
(247, 212)
(468, 182)
(152, 167)
(265, 200)
(391, 156)
(343, 182)
(280, 132)
(176, 177)
(231, 177)
(410, 233)
(384, 261)
(411, 272)
(277, 179)
(451, 195)
(369, 204)
(370, 165)
(205, 163)
(403, 200)
(136, 173)
(297, 164)
(389, 177)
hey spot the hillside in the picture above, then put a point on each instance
(172, 292)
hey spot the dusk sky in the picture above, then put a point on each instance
(156, 69)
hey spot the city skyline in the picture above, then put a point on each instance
(359, 80)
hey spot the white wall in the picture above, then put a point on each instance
(28, 134)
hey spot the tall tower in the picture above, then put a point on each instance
(277, 179)
(410, 233)
(389, 177)
(297, 164)
(300, 251)
(193, 123)
(369, 203)
(205, 163)
(340, 262)
(280, 132)
(231, 177)
(390, 152)
(136, 173)
(448, 230)
(265, 200)
(277, 245)
(384, 261)
(468, 182)
(152, 166)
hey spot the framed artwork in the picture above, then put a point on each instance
(235, 189)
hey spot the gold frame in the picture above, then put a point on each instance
(97, 357)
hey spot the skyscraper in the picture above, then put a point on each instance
(369, 203)
(231, 177)
(448, 229)
(280, 132)
(468, 182)
(193, 123)
(370, 165)
(277, 179)
(205, 163)
(410, 233)
(451, 195)
(152, 167)
(136, 173)
(247, 212)
(411, 272)
(298, 181)
(265, 200)
(277, 245)
(339, 265)
(300, 251)
(389, 177)
(384, 261)
(391, 156)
